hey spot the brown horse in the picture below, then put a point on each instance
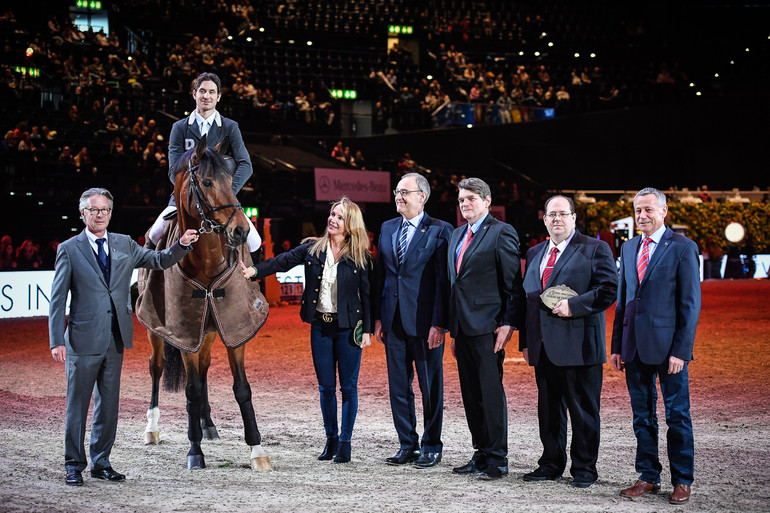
(205, 202)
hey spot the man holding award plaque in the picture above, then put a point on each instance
(570, 280)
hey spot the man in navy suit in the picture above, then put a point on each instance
(566, 343)
(656, 316)
(187, 132)
(410, 306)
(485, 307)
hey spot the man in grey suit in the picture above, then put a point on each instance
(566, 342)
(409, 298)
(95, 267)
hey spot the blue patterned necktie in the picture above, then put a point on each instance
(102, 258)
(402, 242)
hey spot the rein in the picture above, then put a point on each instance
(208, 225)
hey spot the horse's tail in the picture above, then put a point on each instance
(173, 370)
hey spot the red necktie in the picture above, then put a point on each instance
(549, 266)
(468, 240)
(644, 259)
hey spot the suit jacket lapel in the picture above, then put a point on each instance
(533, 267)
(453, 242)
(658, 253)
(564, 258)
(477, 238)
(419, 233)
(394, 240)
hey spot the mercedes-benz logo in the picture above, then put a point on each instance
(325, 186)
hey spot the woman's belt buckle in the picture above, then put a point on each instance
(327, 317)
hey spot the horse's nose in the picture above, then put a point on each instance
(239, 235)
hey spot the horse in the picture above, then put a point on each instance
(205, 202)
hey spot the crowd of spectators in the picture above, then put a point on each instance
(102, 103)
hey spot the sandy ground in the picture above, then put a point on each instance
(729, 381)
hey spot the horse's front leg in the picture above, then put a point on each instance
(152, 431)
(207, 425)
(242, 391)
(194, 392)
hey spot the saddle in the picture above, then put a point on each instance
(181, 310)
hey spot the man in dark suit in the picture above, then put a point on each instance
(656, 317)
(566, 342)
(95, 267)
(410, 307)
(187, 132)
(485, 306)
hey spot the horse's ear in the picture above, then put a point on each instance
(224, 146)
(200, 149)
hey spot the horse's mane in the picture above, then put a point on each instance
(212, 164)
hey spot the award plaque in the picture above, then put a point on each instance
(553, 295)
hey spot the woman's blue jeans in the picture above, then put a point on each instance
(333, 349)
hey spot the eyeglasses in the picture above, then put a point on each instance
(97, 211)
(553, 215)
(402, 192)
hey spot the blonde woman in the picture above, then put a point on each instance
(336, 305)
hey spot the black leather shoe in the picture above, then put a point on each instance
(107, 474)
(491, 472)
(403, 456)
(343, 453)
(427, 459)
(74, 477)
(472, 467)
(541, 474)
(330, 450)
(582, 480)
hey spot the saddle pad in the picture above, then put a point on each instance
(177, 308)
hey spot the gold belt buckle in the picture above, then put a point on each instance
(327, 317)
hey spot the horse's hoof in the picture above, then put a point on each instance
(195, 461)
(151, 438)
(259, 459)
(262, 463)
(210, 433)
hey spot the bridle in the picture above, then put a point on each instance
(208, 225)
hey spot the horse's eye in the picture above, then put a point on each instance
(207, 183)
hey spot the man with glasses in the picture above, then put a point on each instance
(95, 267)
(565, 341)
(409, 299)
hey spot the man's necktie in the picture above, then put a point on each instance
(402, 242)
(467, 242)
(644, 259)
(549, 266)
(102, 258)
(204, 128)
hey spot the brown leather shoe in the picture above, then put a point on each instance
(681, 494)
(639, 488)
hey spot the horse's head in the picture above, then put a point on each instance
(203, 191)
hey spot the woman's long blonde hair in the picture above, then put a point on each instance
(356, 244)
